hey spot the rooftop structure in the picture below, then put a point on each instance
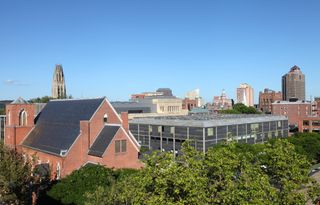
(206, 130)
(131, 107)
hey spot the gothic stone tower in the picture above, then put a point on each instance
(58, 83)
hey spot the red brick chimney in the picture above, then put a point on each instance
(125, 121)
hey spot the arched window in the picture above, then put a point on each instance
(105, 118)
(23, 118)
(58, 91)
(58, 171)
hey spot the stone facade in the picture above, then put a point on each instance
(58, 83)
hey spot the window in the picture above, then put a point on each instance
(306, 122)
(23, 118)
(279, 123)
(210, 131)
(120, 146)
(172, 130)
(58, 171)
(315, 123)
(123, 145)
(117, 148)
(105, 118)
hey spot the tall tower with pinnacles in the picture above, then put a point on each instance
(58, 83)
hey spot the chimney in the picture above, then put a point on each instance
(125, 121)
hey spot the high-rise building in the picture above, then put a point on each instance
(266, 98)
(245, 95)
(58, 83)
(293, 84)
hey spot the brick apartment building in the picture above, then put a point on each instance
(309, 124)
(68, 134)
(266, 98)
(293, 110)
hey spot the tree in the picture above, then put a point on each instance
(2, 111)
(307, 144)
(240, 108)
(15, 177)
(72, 189)
(169, 180)
(44, 99)
(233, 179)
(122, 191)
(287, 170)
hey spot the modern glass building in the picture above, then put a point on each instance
(206, 130)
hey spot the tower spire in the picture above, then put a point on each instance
(58, 83)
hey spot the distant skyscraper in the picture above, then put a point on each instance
(293, 84)
(58, 83)
(245, 94)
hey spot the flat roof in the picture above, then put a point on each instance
(206, 120)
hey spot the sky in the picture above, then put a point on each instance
(115, 48)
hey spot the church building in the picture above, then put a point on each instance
(69, 133)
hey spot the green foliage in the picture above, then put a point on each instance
(271, 173)
(2, 111)
(72, 189)
(307, 144)
(240, 108)
(15, 177)
(44, 99)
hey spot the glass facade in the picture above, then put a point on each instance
(170, 138)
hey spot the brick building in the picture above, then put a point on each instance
(293, 110)
(189, 104)
(67, 134)
(222, 102)
(317, 106)
(309, 124)
(266, 98)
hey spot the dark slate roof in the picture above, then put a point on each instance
(58, 124)
(103, 140)
(131, 107)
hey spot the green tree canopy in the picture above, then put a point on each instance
(240, 108)
(72, 189)
(307, 144)
(15, 177)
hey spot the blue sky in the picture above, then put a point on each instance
(116, 48)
